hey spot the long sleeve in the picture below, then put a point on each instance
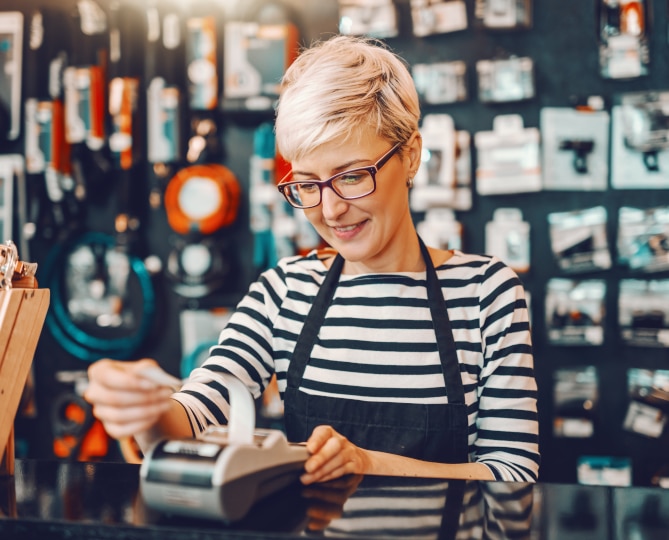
(507, 424)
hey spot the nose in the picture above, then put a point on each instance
(332, 204)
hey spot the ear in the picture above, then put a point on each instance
(414, 148)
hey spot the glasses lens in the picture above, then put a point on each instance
(303, 195)
(348, 185)
(353, 184)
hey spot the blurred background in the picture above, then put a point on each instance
(137, 167)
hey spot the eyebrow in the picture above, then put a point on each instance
(342, 168)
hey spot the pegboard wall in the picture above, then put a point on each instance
(563, 43)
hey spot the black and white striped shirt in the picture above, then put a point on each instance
(414, 508)
(377, 343)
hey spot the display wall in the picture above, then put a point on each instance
(563, 43)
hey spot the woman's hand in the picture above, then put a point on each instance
(332, 456)
(124, 401)
(325, 502)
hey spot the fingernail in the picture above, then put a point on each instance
(305, 478)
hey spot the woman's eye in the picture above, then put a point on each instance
(308, 188)
(350, 178)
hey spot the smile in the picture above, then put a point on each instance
(348, 232)
(347, 228)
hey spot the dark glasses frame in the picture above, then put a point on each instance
(283, 185)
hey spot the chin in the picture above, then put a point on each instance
(352, 255)
(358, 249)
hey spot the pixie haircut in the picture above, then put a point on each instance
(337, 88)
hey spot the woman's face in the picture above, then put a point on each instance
(374, 233)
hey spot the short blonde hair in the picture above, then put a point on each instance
(340, 86)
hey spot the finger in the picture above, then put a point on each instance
(319, 436)
(121, 375)
(327, 453)
(320, 476)
(100, 395)
(129, 415)
(129, 424)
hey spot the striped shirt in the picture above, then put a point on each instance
(377, 343)
(414, 508)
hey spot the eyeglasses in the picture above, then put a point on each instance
(351, 184)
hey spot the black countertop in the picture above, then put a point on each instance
(90, 501)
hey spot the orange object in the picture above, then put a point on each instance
(632, 18)
(123, 101)
(95, 443)
(60, 147)
(189, 211)
(97, 93)
(281, 167)
(80, 441)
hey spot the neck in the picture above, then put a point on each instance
(407, 259)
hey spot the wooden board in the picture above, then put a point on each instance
(22, 314)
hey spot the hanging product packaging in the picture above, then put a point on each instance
(277, 230)
(640, 141)
(202, 62)
(11, 67)
(43, 106)
(579, 241)
(444, 176)
(623, 38)
(434, 178)
(504, 14)
(7, 168)
(440, 229)
(503, 80)
(575, 395)
(376, 18)
(604, 471)
(643, 312)
(643, 238)
(165, 88)
(255, 59)
(648, 407)
(441, 82)
(575, 311)
(47, 152)
(438, 16)
(508, 157)
(508, 237)
(84, 78)
(575, 147)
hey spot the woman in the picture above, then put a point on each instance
(392, 358)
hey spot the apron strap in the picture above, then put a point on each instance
(442, 328)
(450, 517)
(312, 325)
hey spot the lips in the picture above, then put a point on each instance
(348, 231)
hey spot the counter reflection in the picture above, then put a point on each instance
(383, 507)
(79, 501)
(354, 506)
